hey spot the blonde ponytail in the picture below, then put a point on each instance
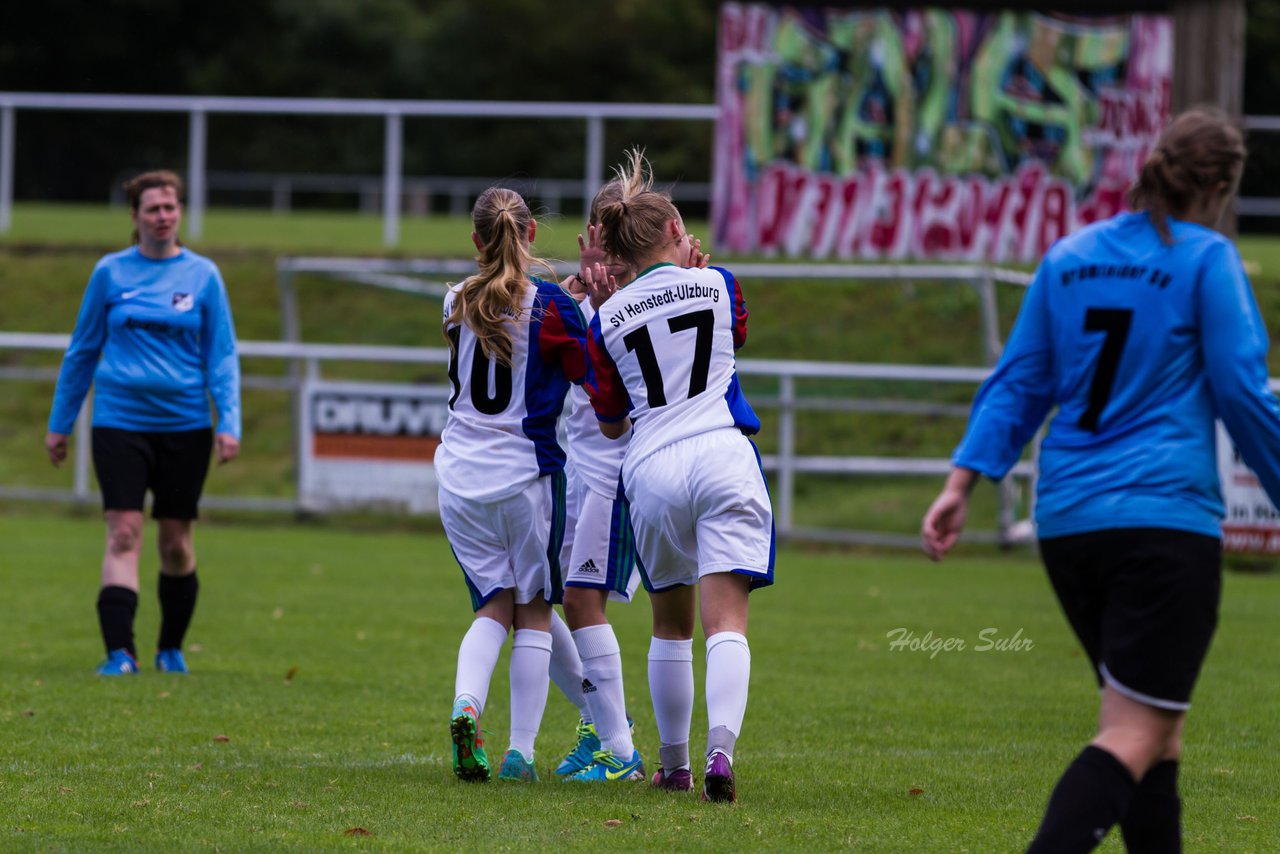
(489, 302)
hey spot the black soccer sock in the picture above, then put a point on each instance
(177, 604)
(1153, 824)
(1091, 796)
(116, 607)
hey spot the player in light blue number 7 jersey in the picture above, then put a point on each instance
(1140, 330)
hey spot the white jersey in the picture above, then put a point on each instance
(662, 350)
(596, 459)
(501, 432)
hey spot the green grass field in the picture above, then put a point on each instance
(322, 666)
(848, 744)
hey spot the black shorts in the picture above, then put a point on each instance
(1143, 602)
(172, 465)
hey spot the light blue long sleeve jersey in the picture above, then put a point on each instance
(1139, 345)
(155, 338)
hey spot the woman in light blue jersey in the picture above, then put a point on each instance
(155, 339)
(1140, 330)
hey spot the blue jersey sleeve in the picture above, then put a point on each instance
(1017, 397)
(81, 358)
(1234, 347)
(221, 359)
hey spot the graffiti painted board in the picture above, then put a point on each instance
(929, 133)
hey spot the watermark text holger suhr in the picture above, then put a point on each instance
(989, 640)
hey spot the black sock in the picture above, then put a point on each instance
(1153, 824)
(1091, 796)
(116, 607)
(177, 604)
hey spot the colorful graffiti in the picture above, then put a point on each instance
(930, 133)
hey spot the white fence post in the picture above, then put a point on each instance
(197, 146)
(391, 180)
(7, 120)
(84, 445)
(592, 179)
(786, 454)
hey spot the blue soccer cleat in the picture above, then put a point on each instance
(170, 661)
(717, 782)
(580, 756)
(515, 767)
(607, 768)
(119, 663)
(470, 762)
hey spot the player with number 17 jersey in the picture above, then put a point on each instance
(663, 348)
(662, 352)
(504, 418)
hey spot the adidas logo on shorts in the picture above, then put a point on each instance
(589, 566)
(587, 687)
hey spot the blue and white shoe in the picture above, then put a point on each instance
(515, 767)
(170, 661)
(607, 768)
(119, 663)
(580, 756)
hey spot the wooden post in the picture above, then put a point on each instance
(1208, 54)
(1208, 61)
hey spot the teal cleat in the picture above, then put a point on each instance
(516, 767)
(119, 663)
(470, 762)
(581, 754)
(170, 661)
(607, 768)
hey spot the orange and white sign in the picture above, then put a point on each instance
(1252, 523)
(370, 445)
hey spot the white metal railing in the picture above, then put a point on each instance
(420, 191)
(393, 113)
(786, 463)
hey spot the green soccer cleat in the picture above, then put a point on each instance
(607, 768)
(580, 756)
(470, 763)
(516, 767)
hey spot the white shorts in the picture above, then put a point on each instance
(509, 544)
(599, 551)
(700, 506)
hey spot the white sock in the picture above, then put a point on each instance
(602, 669)
(566, 668)
(671, 687)
(477, 656)
(728, 672)
(530, 655)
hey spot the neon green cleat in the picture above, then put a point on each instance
(470, 763)
(580, 756)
